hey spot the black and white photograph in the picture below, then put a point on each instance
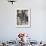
(23, 18)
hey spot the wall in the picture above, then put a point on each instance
(8, 28)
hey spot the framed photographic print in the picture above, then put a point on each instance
(23, 17)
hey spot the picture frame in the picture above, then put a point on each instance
(23, 17)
